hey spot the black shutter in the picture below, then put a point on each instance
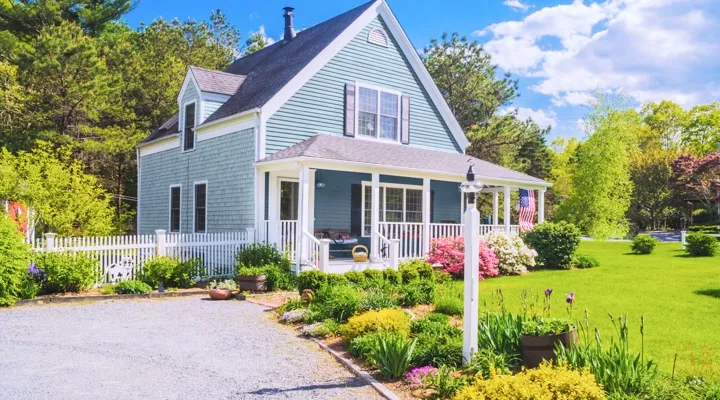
(350, 109)
(405, 122)
(356, 205)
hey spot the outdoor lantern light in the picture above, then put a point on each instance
(471, 187)
(320, 183)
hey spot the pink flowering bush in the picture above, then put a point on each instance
(450, 253)
(416, 377)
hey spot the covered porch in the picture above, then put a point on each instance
(318, 208)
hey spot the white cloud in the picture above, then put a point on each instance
(649, 49)
(261, 31)
(540, 117)
(516, 5)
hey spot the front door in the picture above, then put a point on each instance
(289, 190)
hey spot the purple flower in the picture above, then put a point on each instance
(35, 271)
(416, 378)
(570, 298)
(548, 292)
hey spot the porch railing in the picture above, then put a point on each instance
(287, 235)
(438, 231)
(485, 229)
(391, 258)
(317, 253)
(410, 235)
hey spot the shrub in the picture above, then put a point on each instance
(392, 276)
(278, 279)
(644, 244)
(363, 346)
(392, 354)
(438, 344)
(513, 255)
(390, 320)
(488, 363)
(583, 261)
(377, 299)
(545, 382)
(446, 382)
(227, 284)
(418, 377)
(336, 280)
(500, 332)
(67, 272)
(158, 270)
(260, 255)
(29, 287)
(431, 322)
(555, 243)
(318, 329)
(450, 253)
(448, 303)
(618, 369)
(14, 257)
(355, 277)
(336, 302)
(417, 292)
(373, 275)
(131, 287)
(545, 327)
(185, 273)
(700, 245)
(294, 316)
(415, 268)
(312, 280)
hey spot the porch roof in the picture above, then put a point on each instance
(382, 154)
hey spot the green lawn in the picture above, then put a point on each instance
(679, 297)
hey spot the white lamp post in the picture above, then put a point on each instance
(472, 266)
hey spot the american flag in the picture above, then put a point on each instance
(526, 210)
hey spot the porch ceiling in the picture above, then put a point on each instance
(339, 149)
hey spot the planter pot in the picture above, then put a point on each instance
(253, 283)
(220, 294)
(538, 348)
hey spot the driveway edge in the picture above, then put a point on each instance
(75, 299)
(379, 387)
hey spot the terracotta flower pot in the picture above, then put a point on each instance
(253, 283)
(539, 348)
(220, 294)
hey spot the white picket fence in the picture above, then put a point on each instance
(122, 257)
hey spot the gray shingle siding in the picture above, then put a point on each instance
(225, 162)
(318, 107)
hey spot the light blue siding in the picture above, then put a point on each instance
(333, 202)
(190, 95)
(230, 184)
(210, 107)
(318, 107)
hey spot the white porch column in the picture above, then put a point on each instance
(375, 217)
(303, 216)
(273, 233)
(471, 231)
(496, 207)
(541, 206)
(427, 197)
(506, 215)
(260, 227)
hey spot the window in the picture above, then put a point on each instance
(175, 192)
(188, 127)
(200, 207)
(398, 203)
(378, 114)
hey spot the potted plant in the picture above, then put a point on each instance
(251, 278)
(222, 290)
(540, 336)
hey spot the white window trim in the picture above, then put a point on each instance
(368, 185)
(182, 126)
(279, 191)
(170, 208)
(379, 89)
(207, 191)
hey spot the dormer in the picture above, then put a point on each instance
(202, 93)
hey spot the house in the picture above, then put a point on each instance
(334, 134)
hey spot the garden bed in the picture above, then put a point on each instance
(97, 295)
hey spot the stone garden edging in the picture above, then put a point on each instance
(99, 297)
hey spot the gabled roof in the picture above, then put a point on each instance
(372, 152)
(271, 68)
(216, 81)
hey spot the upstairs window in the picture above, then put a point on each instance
(378, 114)
(189, 127)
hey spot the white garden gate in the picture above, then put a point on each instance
(122, 257)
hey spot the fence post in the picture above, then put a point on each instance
(394, 253)
(250, 234)
(50, 241)
(683, 236)
(160, 243)
(324, 254)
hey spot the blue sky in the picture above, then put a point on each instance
(561, 51)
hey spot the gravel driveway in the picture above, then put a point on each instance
(185, 348)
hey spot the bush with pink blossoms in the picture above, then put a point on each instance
(417, 377)
(450, 253)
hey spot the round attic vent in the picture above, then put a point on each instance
(379, 37)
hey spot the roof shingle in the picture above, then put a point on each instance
(216, 81)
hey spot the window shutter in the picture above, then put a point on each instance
(350, 109)
(356, 204)
(405, 123)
